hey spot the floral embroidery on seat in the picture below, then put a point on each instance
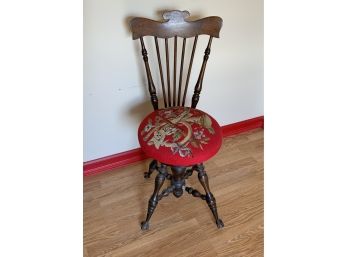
(180, 129)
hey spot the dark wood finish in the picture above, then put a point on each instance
(198, 87)
(189, 70)
(178, 181)
(151, 85)
(174, 79)
(181, 67)
(161, 72)
(195, 193)
(168, 73)
(152, 168)
(209, 197)
(160, 178)
(175, 25)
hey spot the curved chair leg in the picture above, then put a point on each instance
(209, 197)
(160, 178)
(152, 168)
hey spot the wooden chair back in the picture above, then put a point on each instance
(174, 26)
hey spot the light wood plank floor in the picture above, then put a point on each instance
(115, 203)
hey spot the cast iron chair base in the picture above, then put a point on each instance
(177, 178)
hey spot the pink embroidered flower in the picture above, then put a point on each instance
(182, 150)
(199, 134)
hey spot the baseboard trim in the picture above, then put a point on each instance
(123, 159)
(242, 126)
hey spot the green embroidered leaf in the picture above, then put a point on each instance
(176, 136)
(211, 130)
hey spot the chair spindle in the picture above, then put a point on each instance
(168, 73)
(198, 86)
(152, 89)
(174, 80)
(181, 67)
(161, 72)
(189, 70)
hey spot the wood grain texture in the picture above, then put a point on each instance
(116, 202)
(175, 24)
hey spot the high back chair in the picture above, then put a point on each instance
(177, 137)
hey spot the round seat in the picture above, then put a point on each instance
(180, 136)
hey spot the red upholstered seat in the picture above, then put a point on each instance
(180, 136)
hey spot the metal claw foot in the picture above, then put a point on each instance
(144, 225)
(219, 223)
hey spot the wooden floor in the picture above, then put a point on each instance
(115, 203)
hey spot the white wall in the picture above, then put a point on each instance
(115, 94)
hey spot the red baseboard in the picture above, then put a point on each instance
(242, 126)
(113, 161)
(122, 159)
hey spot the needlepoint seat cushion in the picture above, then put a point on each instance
(180, 136)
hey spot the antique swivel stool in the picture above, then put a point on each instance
(178, 138)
